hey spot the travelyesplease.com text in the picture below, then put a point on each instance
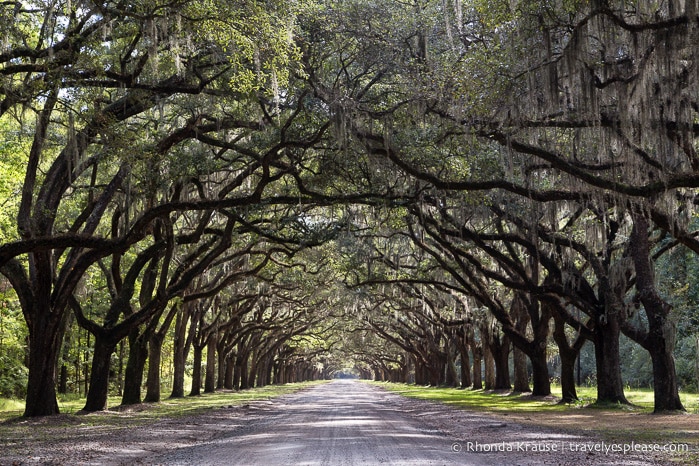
(548, 447)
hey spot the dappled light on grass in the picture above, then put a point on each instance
(145, 412)
(641, 399)
(611, 422)
(477, 399)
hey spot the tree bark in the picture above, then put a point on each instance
(99, 375)
(196, 371)
(451, 376)
(210, 380)
(44, 349)
(489, 366)
(477, 360)
(501, 357)
(465, 367)
(519, 358)
(133, 377)
(610, 388)
(541, 383)
(244, 372)
(521, 382)
(228, 374)
(569, 392)
(221, 364)
(251, 370)
(421, 377)
(569, 355)
(155, 351)
(181, 345)
(660, 338)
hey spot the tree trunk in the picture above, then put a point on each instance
(221, 364)
(244, 373)
(210, 380)
(196, 371)
(251, 371)
(610, 388)
(660, 345)
(99, 375)
(569, 355)
(236, 373)
(541, 383)
(435, 368)
(44, 349)
(179, 356)
(280, 374)
(405, 376)
(133, 377)
(452, 376)
(489, 365)
(420, 372)
(265, 376)
(661, 330)
(63, 380)
(155, 351)
(228, 375)
(120, 370)
(465, 367)
(501, 358)
(521, 382)
(477, 361)
(518, 311)
(568, 391)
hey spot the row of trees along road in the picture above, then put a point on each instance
(285, 186)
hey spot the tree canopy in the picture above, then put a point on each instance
(417, 190)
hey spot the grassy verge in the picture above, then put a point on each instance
(618, 424)
(482, 400)
(11, 410)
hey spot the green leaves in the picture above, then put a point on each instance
(14, 149)
(256, 39)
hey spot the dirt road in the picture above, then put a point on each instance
(348, 422)
(334, 424)
(338, 423)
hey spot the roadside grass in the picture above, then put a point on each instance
(610, 423)
(506, 401)
(9, 405)
(119, 416)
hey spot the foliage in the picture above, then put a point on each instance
(307, 186)
(13, 338)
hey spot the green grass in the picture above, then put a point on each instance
(148, 412)
(8, 405)
(481, 400)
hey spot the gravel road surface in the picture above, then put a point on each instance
(349, 422)
(339, 423)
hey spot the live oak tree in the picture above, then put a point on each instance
(569, 98)
(79, 74)
(532, 159)
(596, 83)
